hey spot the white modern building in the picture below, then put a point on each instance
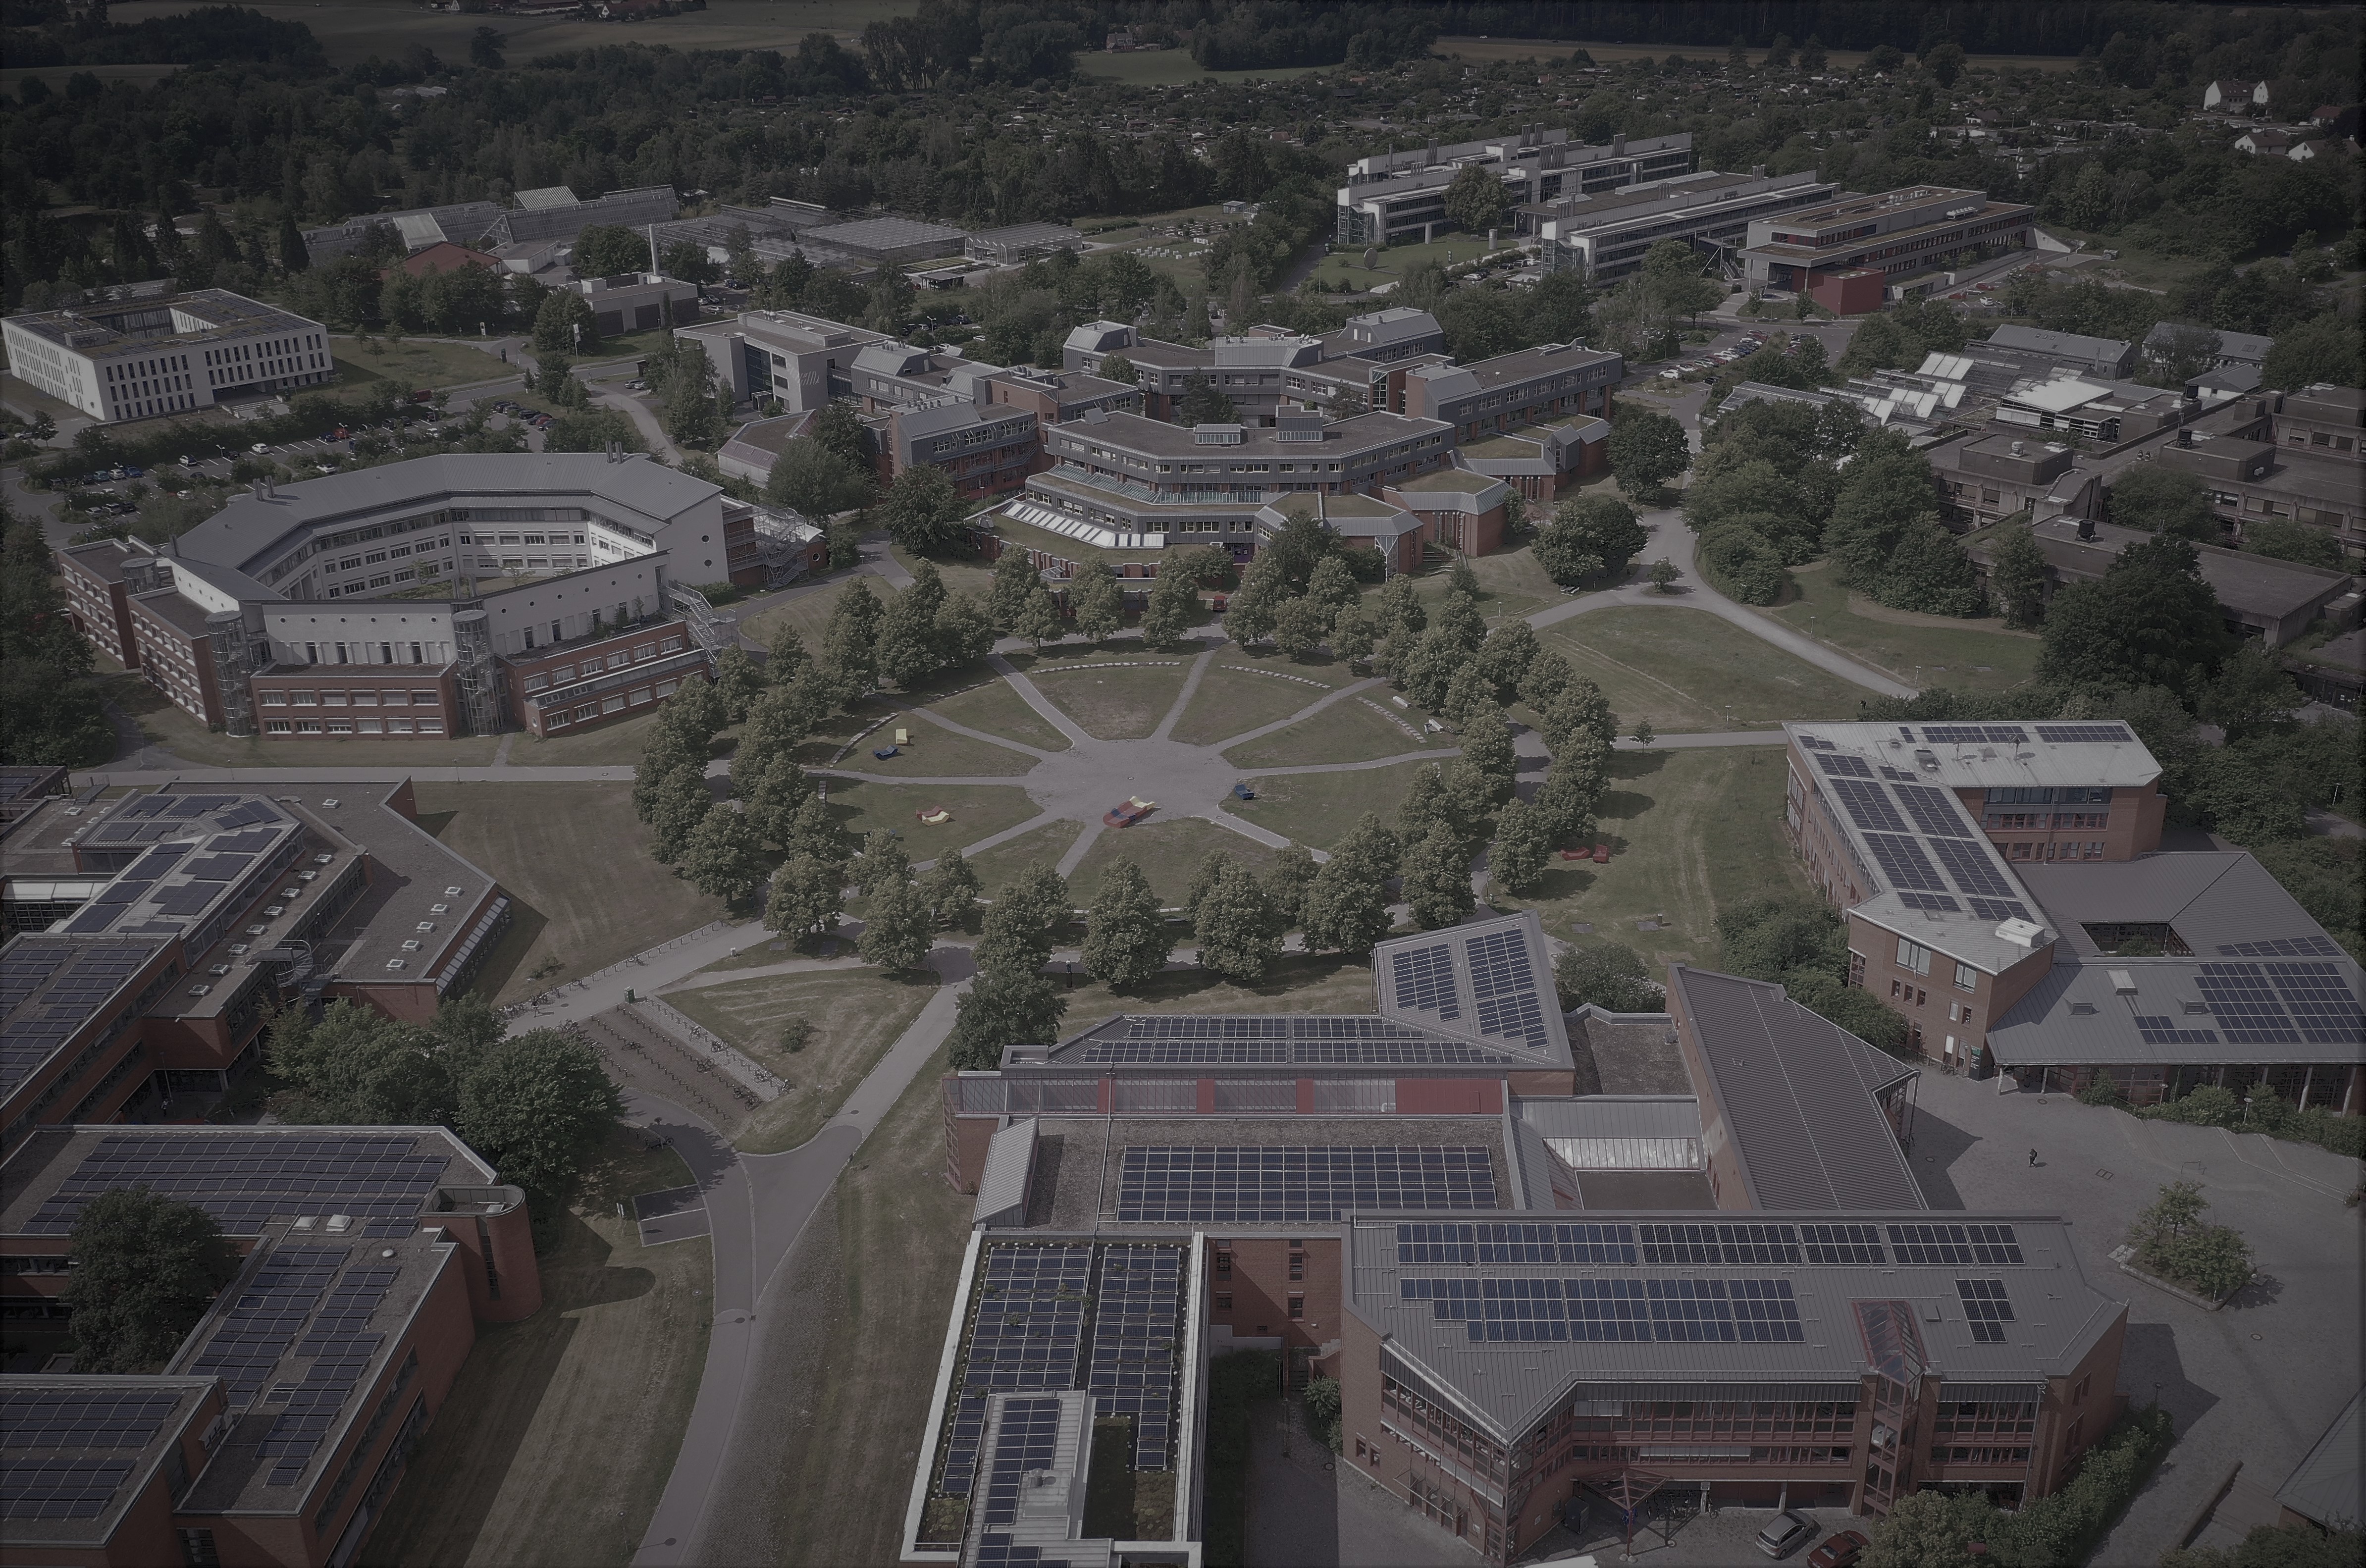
(1394, 198)
(1607, 234)
(142, 359)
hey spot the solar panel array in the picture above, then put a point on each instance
(245, 1180)
(1942, 1244)
(1505, 986)
(1515, 1242)
(1232, 1184)
(1933, 810)
(59, 1446)
(1424, 980)
(1868, 806)
(2154, 1030)
(342, 1352)
(49, 987)
(1935, 903)
(1684, 1311)
(1029, 1324)
(1026, 1439)
(2282, 1004)
(1477, 1244)
(1842, 765)
(2282, 947)
(2062, 732)
(1910, 848)
(1282, 1040)
(1977, 734)
(1903, 864)
(1999, 908)
(1987, 1307)
(1137, 1323)
(265, 1319)
(1972, 867)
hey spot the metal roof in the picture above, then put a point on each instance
(1618, 1132)
(1796, 1093)
(2222, 902)
(2100, 350)
(1476, 994)
(2144, 1012)
(1505, 1385)
(2330, 1486)
(250, 524)
(1007, 1175)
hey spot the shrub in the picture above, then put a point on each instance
(2104, 1090)
(2172, 1241)
(1743, 565)
(1322, 1397)
(2065, 1526)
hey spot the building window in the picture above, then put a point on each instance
(197, 1549)
(1224, 1264)
(1224, 1301)
(1297, 1307)
(1913, 956)
(1297, 1266)
(1966, 977)
(277, 727)
(1856, 968)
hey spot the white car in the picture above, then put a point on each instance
(259, 449)
(1672, 375)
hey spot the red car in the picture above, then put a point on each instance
(1838, 1551)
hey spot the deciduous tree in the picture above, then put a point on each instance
(1608, 975)
(951, 888)
(898, 927)
(1094, 603)
(537, 1106)
(1003, 1009)
(145, 1269)
(1438, 879)
(1234, 928)
(723, 857)
(1522, 847)
(1126, 941)
(804, 897)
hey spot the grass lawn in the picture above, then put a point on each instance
(1346, 731)
(1396, 261)
(168, 726)
(900, 1234)
(934, 753)
(997, 709)
(1688, 669)
(1168, 853)
(560, 1432)
(1111, 705)
(608, 746)
(1044, 846)
(1320, 809)
(856, 1014)
(1691, 832)
(808, 612)
(574, 860)
(418, 361)
(1509, 584)
(962, 574)
(1320, 983)
(1232, 700)
(1922, 651)
(978, 810)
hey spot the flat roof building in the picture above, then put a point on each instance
(889, 241)
(1604, 234)
(2263, 598)
(1393, 199)
(141, 358)
(281, 1426)
(1903, 234)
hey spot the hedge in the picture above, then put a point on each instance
(2067, 1525)
(1234, 1383)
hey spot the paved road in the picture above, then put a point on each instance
(758, 1206)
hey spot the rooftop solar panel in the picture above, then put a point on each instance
(2246, 1006)
(1841, 1243)
(1867, 806)
(1903, 862)
(247, 1180)
(1670, 1310)
(1271, 1184)
(60, 1488)
(2062, 732)
(1986, 1306)
(1137, 1324)
(1816, 742)
(1933, 810)
(1934, 903)
(2282, 947)
(1976, 734)
(2157, 1031)
(1024, 1336)
(1973, 866)
(1424, 980)
(1999, 908)
(1503, 984)
(1842, 765)
(1944, 1244)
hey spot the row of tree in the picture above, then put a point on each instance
(51, 710)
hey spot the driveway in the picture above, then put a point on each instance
(2256, 1381)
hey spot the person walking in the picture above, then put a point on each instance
(2033, 1156)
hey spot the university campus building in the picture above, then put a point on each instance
(150, 939)
(427, 598)
(1857, 251)
(1604, 234)
(1558, 1264)
(2005, 893)
(146, 356)
(280, 1428)
(1395, 199)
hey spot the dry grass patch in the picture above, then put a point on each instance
(1346, 731)
(853, 1015)
(1111, 702)
(1230, 701)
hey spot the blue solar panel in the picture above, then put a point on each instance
(1027, 1438)
(1973, 866)
(2056, 733)
(1743, 1242)
(2282, 947)
(1903, 864)
(1503, 985)
(1867, 806)
(1953, 1244)
(1029, 1323)
(1987, 1307)
(1933, 810)
(2157, 1030)
(1936, 903)
(1222, 1184)
(1999, 908)
(1424, 979)
(1841, 1243)
(1976, 734)
(1137, 1323)
(1841, 765)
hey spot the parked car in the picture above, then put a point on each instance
(1839, 1550)
(1785, 1533)
(259, 449)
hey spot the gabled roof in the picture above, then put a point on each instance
(2330, 1486)
(1796, 1093)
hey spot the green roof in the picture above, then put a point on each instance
(1461, 480)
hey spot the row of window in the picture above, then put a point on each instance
(1915, 959)
(353, 727)
(592, 664)
(617, 702)
(2089, 850)
(2028, 819)
(358, 697)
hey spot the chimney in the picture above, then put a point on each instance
(1618, 144)
(1757, 171)
(1432, 150)
(2018, 447)
(2087, 528)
